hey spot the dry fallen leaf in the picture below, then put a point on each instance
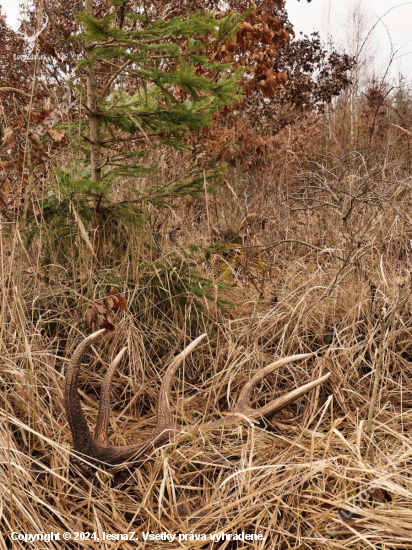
(378, 495)
(36, 271)
(101, 314)
(56, 135)
(98, 315)
(347, 517)
(114, 301)
(183, 509)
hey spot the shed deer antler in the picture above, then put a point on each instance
(99, 449)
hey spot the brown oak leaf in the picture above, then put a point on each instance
(114, 301)
(57, 135)
(100, 316)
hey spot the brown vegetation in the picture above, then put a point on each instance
(302, 246)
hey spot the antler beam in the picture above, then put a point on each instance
(98, 448)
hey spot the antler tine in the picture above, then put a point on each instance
(242, 407)
(82, 437)
(165, 424)
(164, 414)
(99, 449)
(103, 417)
(243, 403)
(278, 404)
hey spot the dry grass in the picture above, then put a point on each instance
(287, 480)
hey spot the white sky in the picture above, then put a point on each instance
(311, 16)
(308, 17)
(11, 9)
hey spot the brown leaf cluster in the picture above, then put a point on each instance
(239, 145)
(101, 314)
(98, 315)
(58, 136)
(115, 301)
(255, 46)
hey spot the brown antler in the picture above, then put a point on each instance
(243, 408)
(99, 449)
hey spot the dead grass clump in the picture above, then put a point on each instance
(309, 279)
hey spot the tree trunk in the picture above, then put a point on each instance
(94, 123)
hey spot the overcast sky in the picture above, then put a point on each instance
(308, 17)
(397, 24)
(11, 9)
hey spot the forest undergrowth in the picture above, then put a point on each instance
(295, 279)
(277, 229)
